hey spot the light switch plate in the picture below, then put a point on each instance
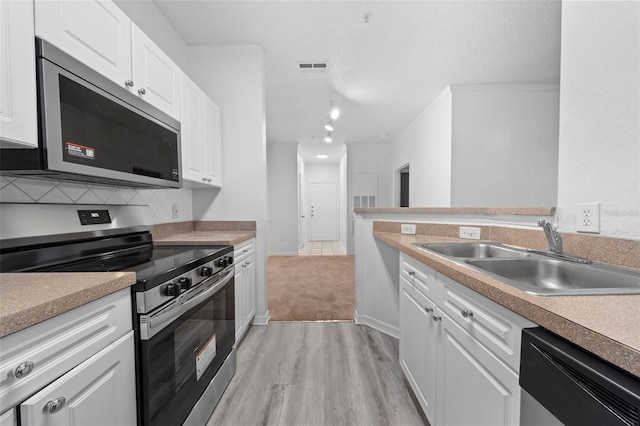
(470, 232)
(408, 229)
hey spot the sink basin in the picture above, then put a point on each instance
(473, 250)
(544, 276)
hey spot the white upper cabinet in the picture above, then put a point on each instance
(18, 114)
(100, 35)
(191, 132)
(213, 142)
(200, 137)
(156, 77)
(97, 33)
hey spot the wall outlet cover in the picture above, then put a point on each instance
(406, 228)
(588, 217)
(174, 211)
(470, 232)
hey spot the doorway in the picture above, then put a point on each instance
(402, 190)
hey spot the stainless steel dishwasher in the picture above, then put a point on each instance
(564, 384)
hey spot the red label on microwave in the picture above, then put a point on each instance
(81, 151)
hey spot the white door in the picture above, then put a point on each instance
(323, 209)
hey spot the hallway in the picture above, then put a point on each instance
(322, 248)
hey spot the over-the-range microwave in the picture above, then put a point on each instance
(92, 130)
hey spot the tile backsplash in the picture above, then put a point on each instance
(158, 202)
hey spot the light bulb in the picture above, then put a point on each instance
(329, 127)
(328, 139)
(322, 156)
(335, 113)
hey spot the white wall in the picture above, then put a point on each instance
(282, 189)
(599, 159)
(368, 158)
(426, 146)
(504, 145)
(343, 201)
(233, 76)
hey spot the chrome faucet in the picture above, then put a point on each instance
(553, 236)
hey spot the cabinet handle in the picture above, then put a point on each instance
(412, 273)
(55, 405)
(466, 313)
(428, 309)
(209, 179)
(129, 83)
(142, 91)
(22, 370)
(436, 317)
(204, 179)
(245, 250)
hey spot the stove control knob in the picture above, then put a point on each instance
(206, 271)
(185, 283)
(172, 290)
(223, 262)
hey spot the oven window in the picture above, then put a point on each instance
(179, 362)
(99, 132)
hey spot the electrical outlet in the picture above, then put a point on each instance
(408, 229)
(588, 217)
(470, 232)
(174, 211)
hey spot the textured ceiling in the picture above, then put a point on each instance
(381, 73)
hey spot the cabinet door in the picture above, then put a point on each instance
(250, 290)
(18, 114)
(212, 133)
(100, 391)
(156, 77)
(477, 389)
(96, 32)
(9, 418)
(418, 343)
(240, 286)
(191, 132)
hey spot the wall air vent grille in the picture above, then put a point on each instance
(313, 67)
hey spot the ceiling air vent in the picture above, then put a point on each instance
(312, 67)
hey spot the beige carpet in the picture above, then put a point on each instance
(311, 288)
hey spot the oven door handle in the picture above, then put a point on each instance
(152, 323)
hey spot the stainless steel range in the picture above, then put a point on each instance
(184, 312)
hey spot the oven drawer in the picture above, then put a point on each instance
(32, 358)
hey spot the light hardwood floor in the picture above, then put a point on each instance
(317, 373)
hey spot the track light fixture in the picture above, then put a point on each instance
(328, 138)
(329, 126)
(335, 113)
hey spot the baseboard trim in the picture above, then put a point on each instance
(383, 327)
(261, 319)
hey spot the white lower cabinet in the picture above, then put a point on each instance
(244, 258)
(76, 368)
(418, 355)
(99, 391)
(458, 350)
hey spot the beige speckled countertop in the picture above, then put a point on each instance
(29, 298)
(608, 326)
(203, 238)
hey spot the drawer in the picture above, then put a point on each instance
(244, 250)
(494, 326)
(419, 275)
(47, 350)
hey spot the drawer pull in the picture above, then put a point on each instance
(428, 309)
(436, 317)
(466, 313)
(23, 370)
(55, 405)
(412, 273)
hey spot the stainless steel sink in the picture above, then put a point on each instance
(473, 250)
(545, 276)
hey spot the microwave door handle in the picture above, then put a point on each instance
(157, 322)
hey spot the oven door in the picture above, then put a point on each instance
(184, 347)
